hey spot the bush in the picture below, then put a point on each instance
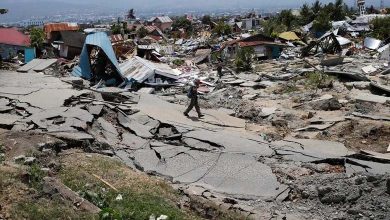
(244, 59)
(381, 28)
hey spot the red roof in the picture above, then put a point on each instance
(12, 36)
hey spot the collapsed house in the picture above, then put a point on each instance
(98, 61)
(14, 42)
(263, 46)
(139, 70)
(53, 30)
(70, 44)
(162, 22)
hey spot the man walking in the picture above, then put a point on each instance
(193, 95)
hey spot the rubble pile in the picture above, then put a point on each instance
(302, 133)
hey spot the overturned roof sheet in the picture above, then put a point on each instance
(291, 36)
(140, 70)
(12, 36)
(343, 41)
(101, 40)
(372, 43)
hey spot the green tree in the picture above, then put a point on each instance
(272, 28)
(222, 29)
(37, 37)
(142, 32)
(322, 22)
(287, 18)
(338, 12)
(206, 20)
(316, 8)
(244, 59)
(307, 14)
(116, 29)
(380, 28)
(182, 22)
(3, 11)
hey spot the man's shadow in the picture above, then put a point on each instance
(193, 118)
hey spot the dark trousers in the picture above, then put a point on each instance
(193, 103)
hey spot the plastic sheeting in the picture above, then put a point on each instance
(102, 41)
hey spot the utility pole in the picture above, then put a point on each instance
(382, 4)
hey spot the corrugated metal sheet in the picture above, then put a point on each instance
(116, 38)
(12, 36)
(140, 70)
(100, 40)
(50, 27)
(162, 19)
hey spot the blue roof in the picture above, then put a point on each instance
(101, 40)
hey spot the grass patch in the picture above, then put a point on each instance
(318, 80)
(36, 176)
(48, 209)
(142, 196)
(2, 154)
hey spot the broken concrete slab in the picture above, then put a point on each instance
(105, 132)
(28, 66)
(308, 150)
(73, 136)
(358, 85)
(8, 120)
(247, 178)
(95, 110)
(49, 98)
(369, 69)
(373, 117)
(367, 97)
(230, 142)
(383, 88)
(354, 166)
(315, 127)
(351, 75)
(200, 145)
(131, 124)
(44, 64)
(134, 142)
(172, 114)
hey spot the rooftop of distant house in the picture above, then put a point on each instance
(13, 36)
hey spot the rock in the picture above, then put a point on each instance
(333, 198)
(19, 158)
(29, 160)
(326, 103)
(323, 190)
(354, 195)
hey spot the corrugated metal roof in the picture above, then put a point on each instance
(12, 36)
(116, 38)
(50, 27)
(101, 40)
(162, 19)
(140, 70)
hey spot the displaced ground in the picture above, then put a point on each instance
(284, 143)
